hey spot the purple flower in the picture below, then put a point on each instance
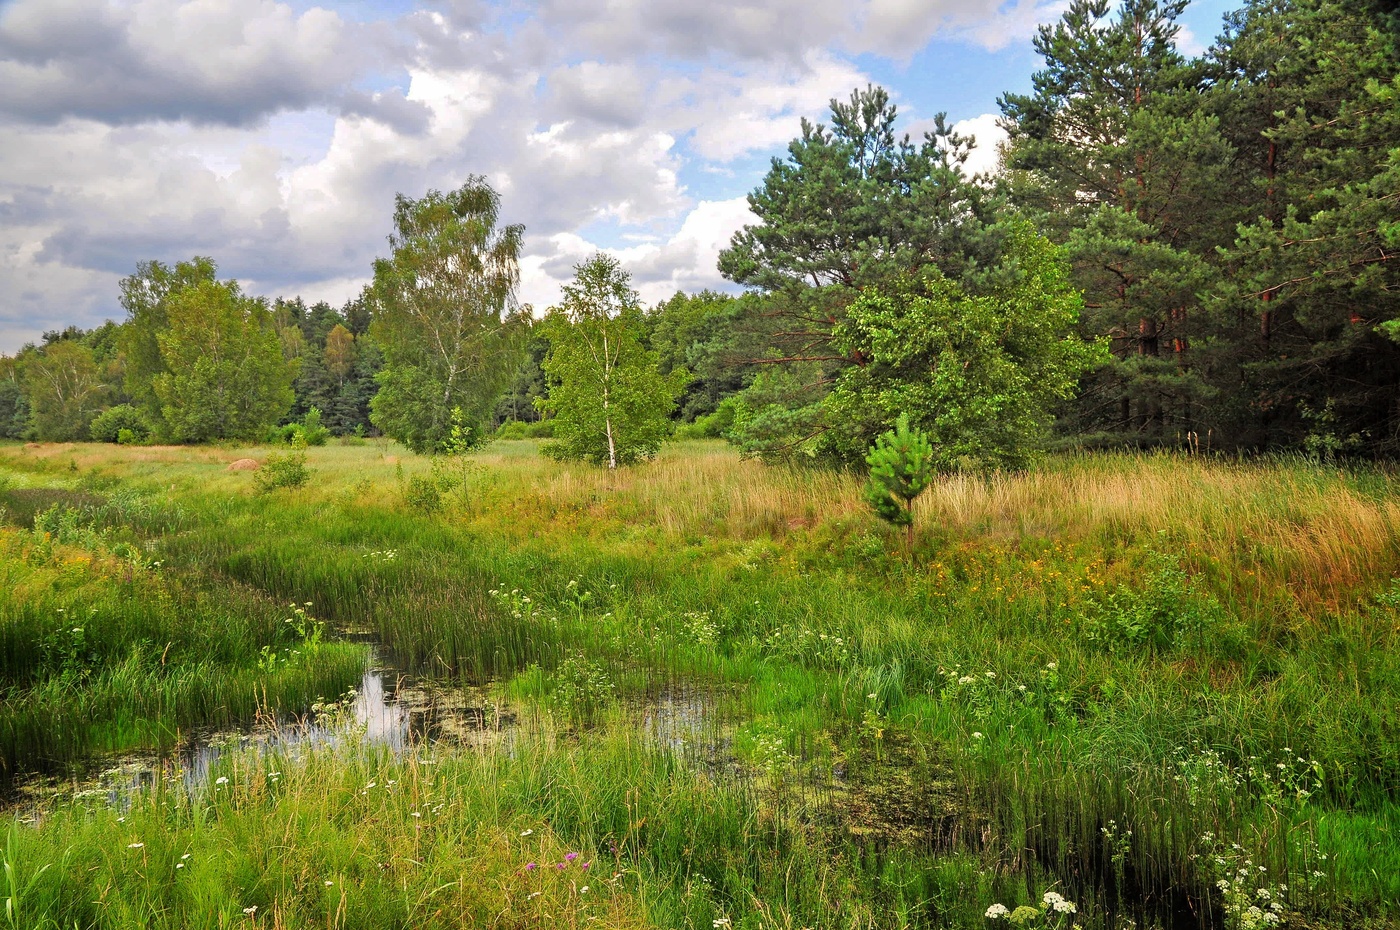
(530, 867)
(561, 865)
(586, 865)
(571, 857)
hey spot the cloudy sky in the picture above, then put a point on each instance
(273, 135)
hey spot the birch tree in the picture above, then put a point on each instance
(609, 402)
(444, 313)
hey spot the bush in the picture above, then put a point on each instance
(110, 424)
(712, 425)
(309, 432)
(423, 494)
(519, 429)
(312, 432)
(282, 471)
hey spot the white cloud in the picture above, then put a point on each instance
(985, 157)
(205, 61)
(274, 137)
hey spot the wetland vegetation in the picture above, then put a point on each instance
(702, 692)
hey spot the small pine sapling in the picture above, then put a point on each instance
(901, 466)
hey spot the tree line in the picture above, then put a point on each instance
(1175, 250)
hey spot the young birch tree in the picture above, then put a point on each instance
(609, 402)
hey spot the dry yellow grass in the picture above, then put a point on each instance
(1256, 526)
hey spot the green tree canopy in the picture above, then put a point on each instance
(444, 314)
(980, 374)
(145, 296)
(224, 375)
(611, 406)
(65, 389)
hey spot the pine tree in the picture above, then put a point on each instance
(1115, 154)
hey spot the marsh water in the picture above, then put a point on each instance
(391, 709)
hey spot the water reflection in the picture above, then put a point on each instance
(389, 710)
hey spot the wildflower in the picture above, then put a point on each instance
(1057, 903)
(530, 866)
(185, 856)
(179, 865)
(533, 895)
(134, 845)
(329, 883)
(415, 814)
(976, 734)
(997, 911)
(527, 832)
(585, 866)
(583, 890)
(571, 857)
(221, 780)
(560, 865)
(250, 911)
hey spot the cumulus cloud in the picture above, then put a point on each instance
(207, 61)
(989, 136)
(274, 135)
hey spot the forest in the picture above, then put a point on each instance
(1176, 252)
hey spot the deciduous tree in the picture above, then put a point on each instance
(610, 404)
(444, 314)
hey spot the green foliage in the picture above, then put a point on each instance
(422, 493)
(581, 688)
(109, 425)
(516, 429)
(282, 471)
(145, 296)
(697, 332)
(980, 374)
(1163, 614)
(443, 316)
(14, 403)
(609, 404)
(716, 425)
(853, 207)
(309, 432)
(65, 390)
(901, 466)
(225, 376)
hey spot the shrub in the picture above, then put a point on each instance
(581, 688)
(712, 425)
(520, 429)
(422, 493)
(282, 471)
(1167, 613)
(313, 433)
(110, 424)
(309, 432)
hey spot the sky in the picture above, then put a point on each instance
(273, 135)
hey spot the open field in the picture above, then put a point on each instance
(1164, 688)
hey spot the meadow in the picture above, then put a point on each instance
(1114, 691)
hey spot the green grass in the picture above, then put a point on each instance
(885, 737)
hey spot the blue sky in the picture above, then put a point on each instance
(274, 134)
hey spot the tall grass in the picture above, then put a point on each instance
(1110, 643)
